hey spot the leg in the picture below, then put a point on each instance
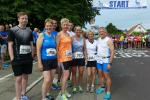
(46, 83)
(108, 82)
(52, 74)
(88, 75)
(24, 83)
(93, 75)
(18, 85)
(65, 76)
(101, 77)
(74, 79)
(80, 77)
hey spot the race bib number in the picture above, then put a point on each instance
(25, 49)
(78, 55)
(69, 53)
(51, 52)
(91, 58)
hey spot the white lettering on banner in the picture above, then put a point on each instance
(25, 49)
(69, 53)
(78, 55)
(51, 52)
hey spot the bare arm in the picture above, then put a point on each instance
(39, 45)
(112, 51)
(10, 50)
(85, 50)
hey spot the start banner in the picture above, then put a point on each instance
(119, 4)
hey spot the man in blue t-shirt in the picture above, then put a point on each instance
(3, 38)
(54, 28)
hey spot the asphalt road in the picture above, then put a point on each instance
(130, 77)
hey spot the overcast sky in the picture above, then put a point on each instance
(124, 18)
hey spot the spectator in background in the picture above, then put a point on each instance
(35, 34)
(3, 37)
(148, 40)
(71, 33)
(121, 41)
(54, 28)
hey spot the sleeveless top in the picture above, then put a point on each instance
(64, 48)
(48, 50)
(103, 51)
(77, 48)
(91, 50)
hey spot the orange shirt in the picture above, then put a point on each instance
(64, 48)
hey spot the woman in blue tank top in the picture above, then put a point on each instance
(47, 57)
(78, 50)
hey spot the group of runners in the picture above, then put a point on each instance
(65, 50)
(126, 41)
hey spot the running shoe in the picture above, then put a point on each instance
(74, 90)
(80, 89)
(50, 97)
(63, 97)
(24, 97)
(100, 90)
(68, 95)
(55, 87)
(107, 96)
(92, 89)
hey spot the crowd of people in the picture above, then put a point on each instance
(61, 55)
(130, 41)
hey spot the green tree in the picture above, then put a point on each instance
(112, 29)
(78, 11)
(148, 30)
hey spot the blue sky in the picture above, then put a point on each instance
(124, 18)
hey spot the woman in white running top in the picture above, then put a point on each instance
(91, 61)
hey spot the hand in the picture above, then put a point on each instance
(40, 67)
(108, 67)
(11, 59)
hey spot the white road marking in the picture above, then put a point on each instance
(131, 53)
(32, 85)
(9, 75)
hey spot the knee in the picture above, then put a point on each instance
(108, 79)
(66, 74)
(19, 80)
(47, 80)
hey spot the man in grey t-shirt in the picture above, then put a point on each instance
(20, 46)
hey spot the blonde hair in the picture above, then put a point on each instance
(48, 20)
(90, 32)
(64, 20)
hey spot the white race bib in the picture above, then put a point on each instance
(69, 53)
(78, 55)
(51, 52)
(25, 49)
(91, 58)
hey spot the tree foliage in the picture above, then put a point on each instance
(112, 29)
(78, 11)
